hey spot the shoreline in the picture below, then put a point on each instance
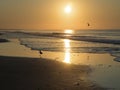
(43, 74)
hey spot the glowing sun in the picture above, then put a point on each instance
(68, 9)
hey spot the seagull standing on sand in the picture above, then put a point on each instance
(40, 52)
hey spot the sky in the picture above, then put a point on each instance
(50, 14)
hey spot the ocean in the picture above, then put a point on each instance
(98, 48)
(79, 41)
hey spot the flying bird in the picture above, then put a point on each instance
(88, 24)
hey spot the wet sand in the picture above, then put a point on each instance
(18, 73)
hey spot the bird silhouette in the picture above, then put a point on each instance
(88, 24)
(40, 52)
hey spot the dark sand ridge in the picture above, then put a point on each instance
(3, 40)
(42, 74)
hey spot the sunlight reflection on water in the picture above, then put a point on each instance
(67, 51)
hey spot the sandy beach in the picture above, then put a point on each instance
(22, 68)
(42, 74)
(25, 73)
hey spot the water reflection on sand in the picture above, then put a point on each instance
(67, 51)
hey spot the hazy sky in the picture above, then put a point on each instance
(49, 14)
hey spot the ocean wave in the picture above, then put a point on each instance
(96, 39)
(59, 47)
(79, 38)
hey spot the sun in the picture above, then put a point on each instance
(68, 9)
